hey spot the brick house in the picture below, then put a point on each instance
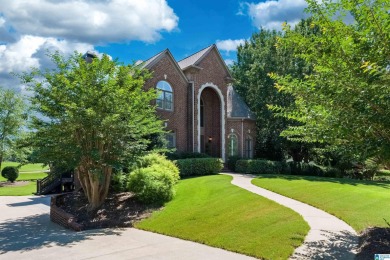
(200, 107)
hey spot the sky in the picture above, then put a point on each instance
(130, 30)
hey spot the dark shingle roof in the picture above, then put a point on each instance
(236, 107)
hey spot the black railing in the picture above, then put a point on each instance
(54, 182)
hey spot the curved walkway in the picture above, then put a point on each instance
(328, 238)
(26, 232)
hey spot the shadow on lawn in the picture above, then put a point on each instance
(340, 245)
(37, 231)
(352, 182)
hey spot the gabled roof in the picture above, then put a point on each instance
(236, 107)
(196, 58)
(149, 63)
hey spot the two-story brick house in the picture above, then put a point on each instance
(202, 111)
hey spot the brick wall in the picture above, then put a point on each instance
(62, 218)
(242, 128)
(177, 120)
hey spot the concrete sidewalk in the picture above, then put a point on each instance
(328, 238)
(27, 233)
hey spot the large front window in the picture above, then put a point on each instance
(165, 95)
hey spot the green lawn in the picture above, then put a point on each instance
(28, 189)
(27, 176)
(212, 211)
(31, 167)
(361, 204)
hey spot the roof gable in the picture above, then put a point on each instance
(196, 58)
(149, 63)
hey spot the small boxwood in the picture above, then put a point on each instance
(199, 166)
(10, 173)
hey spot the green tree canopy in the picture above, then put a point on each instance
(93, 117)
(346, 100)
(256, 59)
(12, 119)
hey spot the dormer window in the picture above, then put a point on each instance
(165, 95)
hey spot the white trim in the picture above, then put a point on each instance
(211, 85)
(193, 114)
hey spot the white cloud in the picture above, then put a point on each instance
(91, 21)
(271, 14)
(2, 21)
(229, 45)
(30, 51)
(229, 62)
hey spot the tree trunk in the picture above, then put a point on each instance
(95, 182)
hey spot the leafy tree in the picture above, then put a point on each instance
(93, 117)
(346, 100)
(12, 119)
(256, 59)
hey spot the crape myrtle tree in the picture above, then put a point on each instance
(92, 117)
(12, 119)
(256, 59)
(345, 102)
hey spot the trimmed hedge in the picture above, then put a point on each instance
(186, 155)
(199, 166)
(262, 167)
(232, 161)
(10, 173)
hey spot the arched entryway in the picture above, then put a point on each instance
(211, 121)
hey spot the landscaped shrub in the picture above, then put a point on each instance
(153, 181)
(160, 160)
(333, 172)
(199, 166)
(259, 167)
(306, 169)
(231, 162)
(10, 173)
(152, 185)
(186, 155)
(118, 181)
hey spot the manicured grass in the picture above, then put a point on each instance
(31, 167)
(361, 204)
(25, 176)
(28, 189)
(212, 211)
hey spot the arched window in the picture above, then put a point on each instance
(232, 145)
(165, 95)
(249, 147)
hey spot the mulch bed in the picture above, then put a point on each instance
(374, 241)
(118, 210)
(13, 184)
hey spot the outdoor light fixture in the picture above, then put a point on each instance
(210, 139)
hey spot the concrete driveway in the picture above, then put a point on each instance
(27, 233)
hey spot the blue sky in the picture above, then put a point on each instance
(130, 30)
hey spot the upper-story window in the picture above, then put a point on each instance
(165, 95)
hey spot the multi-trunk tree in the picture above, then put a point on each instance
(92, 117)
